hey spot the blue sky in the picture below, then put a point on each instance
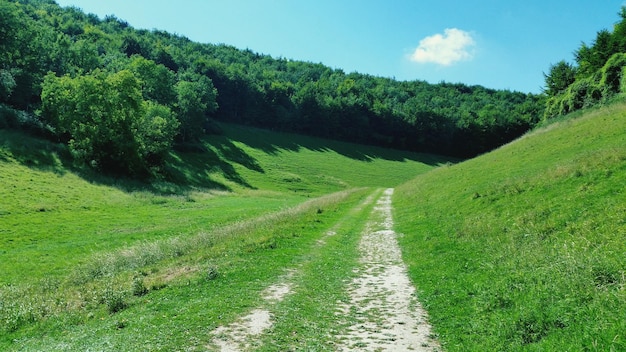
(503, 44)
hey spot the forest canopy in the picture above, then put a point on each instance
(122, 97)
(597, 76)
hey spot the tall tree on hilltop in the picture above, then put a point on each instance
(560, 76)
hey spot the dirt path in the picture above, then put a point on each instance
(389, 317)
(241, 335)
(382, 298)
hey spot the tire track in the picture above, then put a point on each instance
(244, 334)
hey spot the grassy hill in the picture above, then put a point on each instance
(77, 247)
(519, 249)
(524, 248)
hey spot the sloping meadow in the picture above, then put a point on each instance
(524, 248)
(79, 247)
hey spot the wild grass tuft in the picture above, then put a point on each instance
(212, 273)
(114, 299)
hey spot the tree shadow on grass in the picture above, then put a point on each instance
(34, 153)
(191, 167)
(272, 143)
(194, 165)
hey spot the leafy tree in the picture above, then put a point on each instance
(7, 84)
(100, 114)
(178, 83)
(561, 75)
(163, 57)
(133, 45)
(196, 99)
(9, 28)
(157, 81)
(156, 130)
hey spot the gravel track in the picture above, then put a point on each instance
(383, 299)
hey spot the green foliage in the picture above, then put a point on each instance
(597, 78)
(612, 74)
(157, 81)
(114, 300)
(138, 287)
(589, 91)
(155, 133)
(201, 81)
(108, 124)
(561, 75)
(7, 84)
(195, 100)
(100, 113)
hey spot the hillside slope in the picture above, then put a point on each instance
(523, 248)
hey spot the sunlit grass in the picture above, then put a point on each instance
(92, 256)
(523, 248)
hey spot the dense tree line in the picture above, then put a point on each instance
(121, 97)
(596, 77)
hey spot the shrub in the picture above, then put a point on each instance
(612, 74)
(138, 287)
(114, 300)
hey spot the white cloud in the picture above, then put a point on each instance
(445, 49)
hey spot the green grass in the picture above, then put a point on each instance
(523, 248)
(53, 218)
(182, 312)
(92, 262)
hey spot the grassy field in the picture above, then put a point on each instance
(524, 248)
(519, 249)
(112, 263)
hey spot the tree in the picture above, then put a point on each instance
(99, 113)
(561, 75)
(155, 132)
(196, 99)
(39, 36)
(157, 81)
(132, 45)
(7, 84)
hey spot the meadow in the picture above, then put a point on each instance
(111, 263)
(520, 249)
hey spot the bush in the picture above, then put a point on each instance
(114, 300)
(612, 74)
(139, 288)
(589, 91)
(583, 93)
